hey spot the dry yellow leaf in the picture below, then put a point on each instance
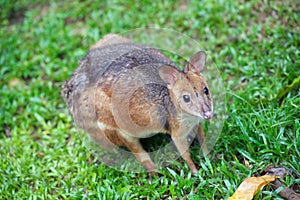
(13, 82)
(250, 186)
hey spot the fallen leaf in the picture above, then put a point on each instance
(250, 186)
(278, 171)
(286, 193)
(247, 164)
(13, 82)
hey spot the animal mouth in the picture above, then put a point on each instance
(207, 115)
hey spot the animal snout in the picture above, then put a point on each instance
(208, 114)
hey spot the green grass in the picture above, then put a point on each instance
(254, 43)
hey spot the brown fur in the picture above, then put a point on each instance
(122, 92)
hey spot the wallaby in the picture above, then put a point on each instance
(122, 92)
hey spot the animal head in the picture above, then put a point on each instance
(189, 88)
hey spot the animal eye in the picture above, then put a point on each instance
(205, 90)
(186, 98)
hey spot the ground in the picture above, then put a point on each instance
(255, 45)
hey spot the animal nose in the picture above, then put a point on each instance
(208, 114)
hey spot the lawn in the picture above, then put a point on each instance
(255, 45)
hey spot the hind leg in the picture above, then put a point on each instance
(117, 138)
(142, 156)
(134, 145)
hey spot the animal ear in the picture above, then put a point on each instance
(169, 74)
(196, 63)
